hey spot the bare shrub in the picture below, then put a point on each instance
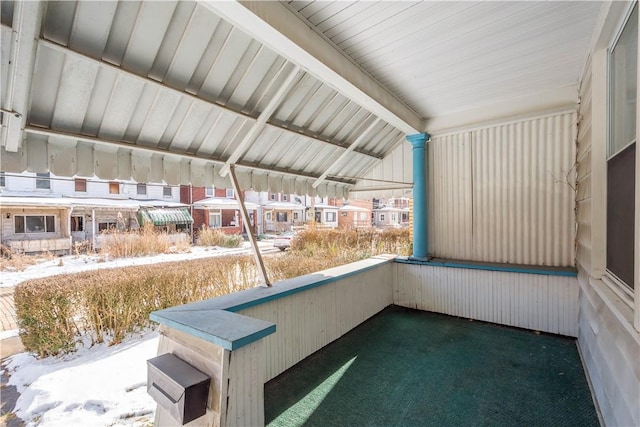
(45, 310)
(215, 237)
(11, 261)
(108, 304)
(146, 241)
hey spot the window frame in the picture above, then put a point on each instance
(43, 181)
(3, 179)
(79, 222)
(229, 193)
(164, 191)
(80, 185)
(114, 185)
(45, 221)
(622, 289)
(141, 189)
(215, 214)
(330, 216)
(209, 192)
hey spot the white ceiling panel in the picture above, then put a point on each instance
(445, 57)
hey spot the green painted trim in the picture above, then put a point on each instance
(529, 269)
(174, 317)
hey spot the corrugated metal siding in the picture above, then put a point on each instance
(245, 394)
(583, 179)
(505, 193)
(531, 301)
(307, 321)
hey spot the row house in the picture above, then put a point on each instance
(46, 213)
(217, 208)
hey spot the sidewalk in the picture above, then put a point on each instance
(8, 322)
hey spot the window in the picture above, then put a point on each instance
(268, 216)
(43, 181)
(296, 215)
(142, 189)
(272, 196)
(230, 194)
(114, 187)
(166, 191)
(106, 226)
(77, 223)
(331, 217)
(621, 153)
(251, 218)
(209, 192)
(215, 219)
(34, 224)
(381, 217)
(394, 217)
(282, 217)
(2, 180)
(285, 198)
(81, 185)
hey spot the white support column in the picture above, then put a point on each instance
(261, 121)
(27, 18)
(247, 226)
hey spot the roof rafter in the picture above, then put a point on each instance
(342, 156)
(65, 50)
(261, 121)
(27, 19)
(275, 25)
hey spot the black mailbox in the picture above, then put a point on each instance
(178, 387)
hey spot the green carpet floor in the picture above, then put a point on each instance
(406, 367)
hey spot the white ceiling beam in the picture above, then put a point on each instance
(27, 19)
(345, 153)
(159, 85)
(276, 26)
(261, 121)
(127, 145)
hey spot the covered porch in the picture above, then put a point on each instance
(280, 354)
(513, 124)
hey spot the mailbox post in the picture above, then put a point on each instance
(206, 359)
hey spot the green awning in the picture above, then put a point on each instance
(164, 216)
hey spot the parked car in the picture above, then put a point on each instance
(283, 241)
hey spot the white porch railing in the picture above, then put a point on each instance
(245, 339)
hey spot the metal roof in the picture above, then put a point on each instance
(303, 97)
(162, 217)
(220, 203)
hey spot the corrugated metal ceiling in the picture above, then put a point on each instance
(170, 91)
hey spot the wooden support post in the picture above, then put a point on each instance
(247, 225)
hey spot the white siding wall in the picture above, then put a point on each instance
(505, 193)
(609, 345)
(26, 182)
(309, 320)
(531, 301)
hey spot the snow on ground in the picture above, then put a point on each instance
(95, 386)
(77, 263)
